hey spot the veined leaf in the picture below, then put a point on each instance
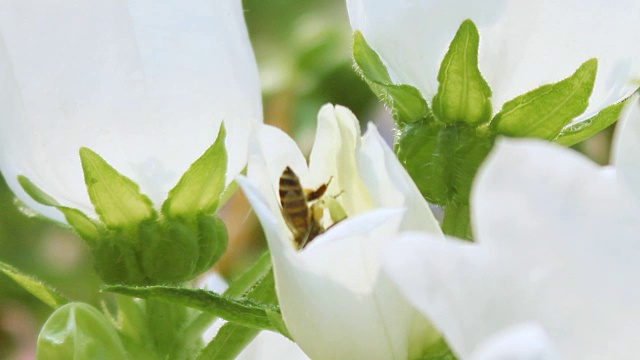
(463, 94)
(545, 111)
(241, 311)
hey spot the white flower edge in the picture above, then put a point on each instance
(556, 245)
(626, 146)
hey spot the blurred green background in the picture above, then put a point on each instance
(303, 53)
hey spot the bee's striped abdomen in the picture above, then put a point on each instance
(294, 203)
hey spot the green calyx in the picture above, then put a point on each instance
(160, 252)
(443, 146)
(132, 243)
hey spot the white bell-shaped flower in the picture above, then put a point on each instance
(523, 44)
(553, 272)
(334, 298)
(145, 84)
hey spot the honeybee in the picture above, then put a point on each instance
(303, 218)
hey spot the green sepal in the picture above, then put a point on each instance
(37, 194)
(580, 131)
(457, 220)
(438, 351)
(406, 102)
(116, 199)
(463, 94)
(37, 288)
(368, 61)
(242, 311)
(443, 159)
(81, 223)
(545, 111)
(199, 189)
(116, 258)
(168, 251)
(213, 241)
(78, 331)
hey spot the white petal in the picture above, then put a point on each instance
(278, 150)
(557, 244)
(280, 243)
(531, 193)
(524, 44)
(521, 342)
(391, 186)
(441, 279)
(333, 293)
(144, 84)
(626, 146)
(334, 156)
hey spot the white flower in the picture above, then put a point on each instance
(557, 253)
(523, 44)
(144, 84)
(334, 299)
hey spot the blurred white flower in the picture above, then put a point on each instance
(334, 299)
(523, 44)
(143, 83)
(557, 249)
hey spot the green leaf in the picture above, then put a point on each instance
(580, 131)
(35, 192)
(406, 103)
(241, 311)
(544, 112)
(78, 331)
(117, 199)
(199, 189)
(463, 94)
(233, 338)
(42, 291)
